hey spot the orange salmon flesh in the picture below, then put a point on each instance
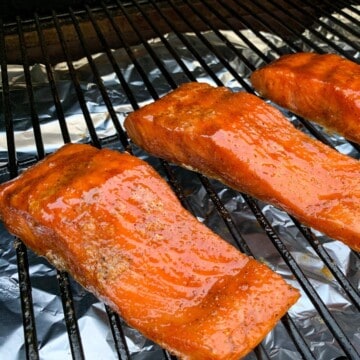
(116, 226)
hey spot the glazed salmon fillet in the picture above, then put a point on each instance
(115, 225)
(250, 146)
(322, 88)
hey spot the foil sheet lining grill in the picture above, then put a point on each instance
(127, 54)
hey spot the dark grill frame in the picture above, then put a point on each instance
(272, 16)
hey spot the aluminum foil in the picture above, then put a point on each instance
(93, 321)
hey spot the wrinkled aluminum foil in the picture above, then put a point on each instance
(93, 322)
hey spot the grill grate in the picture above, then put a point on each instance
(69, 35)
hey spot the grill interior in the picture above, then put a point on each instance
(79, 49)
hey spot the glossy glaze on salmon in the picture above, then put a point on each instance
(115, 225)
(249, 145)
(322, 88)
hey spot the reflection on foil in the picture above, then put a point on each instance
(93, 322)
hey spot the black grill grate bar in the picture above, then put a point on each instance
(212, 49)
(301, 345)
(230, 45)
(334, 269)
(329, 28)
(76, 347)
(345, 4)
(123, 82)
(80, 96)
(166, 43)
(342, 24)
(7, 108)
(132, 57)
(151, 52)
(95, 72)
(244, 38)
(30, 92)
(296, 33)
(332, 324)
(106, 48)
(30, 337)
(118, 334)
(352, 19)
(50, 75)
(240, 241)
(269, 27)
(246, 23)
(188, 45)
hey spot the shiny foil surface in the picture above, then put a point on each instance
(95, 332)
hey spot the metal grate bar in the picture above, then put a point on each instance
(336, 272)
(147, 46)
(94, 137)
(106, 48)
(345, 4)
(333, 326)
(244, 38)
(271, 28)
(234, 73)
(296, 33)
(230, 45)
(29, 86)
(331, 5)
(7, 108)
(123, 82)
(76, 347)
(132, 57)
(50, 75)
(326, 26)
(30, 337)
(299, 341)
(118, 334)
(343, 25)
(162, 37)
(246, 23)
(189, 46)
(96, 74)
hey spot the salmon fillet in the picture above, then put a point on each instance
(116, 226)
(249, 145)
(321, 88)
